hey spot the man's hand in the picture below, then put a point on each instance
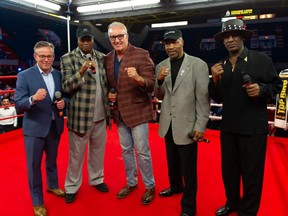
(164, 71)
(39, 95)
(217, 71)
(60, 104)
(132, 74)
(253, 90)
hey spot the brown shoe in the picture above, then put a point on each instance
(148, 196)
(40, 211)
(57, 191)
(126, 191)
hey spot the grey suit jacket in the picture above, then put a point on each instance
(186, 107)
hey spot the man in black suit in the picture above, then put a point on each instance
(243, 82)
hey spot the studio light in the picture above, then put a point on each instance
(115, 5)
(42, 3)
(169, 24)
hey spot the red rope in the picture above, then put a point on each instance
(8, 77)
(6, 91)
(11, 117)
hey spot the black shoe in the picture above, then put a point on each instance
(183, 214)
(69, 198)
(224, 211)
(102, 187)
(168, 192)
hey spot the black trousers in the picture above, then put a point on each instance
(182, 171)
(243, 158)
(6, 128)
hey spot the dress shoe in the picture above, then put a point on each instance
(224, 211)
(39, 211)
(184, 214)
(56, 191)
(102, 187)
(148, 196)
(69, 198)
(126, 191)
(168, 192)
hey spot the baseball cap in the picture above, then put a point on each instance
(172, 34)
(84, 30)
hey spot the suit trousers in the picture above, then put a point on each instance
(34, 148)
(96, 140)
(243, 157)
(182, 164)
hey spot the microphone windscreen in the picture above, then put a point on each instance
(246, 79)
(112, 90)
(88, 56)
(190, 135)
(58, 95)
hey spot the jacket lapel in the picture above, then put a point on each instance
(182, 73)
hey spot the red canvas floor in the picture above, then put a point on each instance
(15, 199)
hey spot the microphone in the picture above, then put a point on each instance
(246, 80)
(93, 69)
(191, 136)
(113, 105)
(58, 97)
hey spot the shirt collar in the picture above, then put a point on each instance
(244, 54)
(42, 72)
(84, 55)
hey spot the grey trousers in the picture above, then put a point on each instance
(96, 140)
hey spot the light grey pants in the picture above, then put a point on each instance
(96, 140)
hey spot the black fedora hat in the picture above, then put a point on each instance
(231, 26)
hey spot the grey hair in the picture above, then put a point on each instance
(41, 44)
(117, 24)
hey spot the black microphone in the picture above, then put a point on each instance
(58, 97)
(113, 105)
(246, 80)
(93, 69)
(191, 136)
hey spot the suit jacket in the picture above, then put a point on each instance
(186, 107)
(134, 102)
(37, 118)
(82, 93)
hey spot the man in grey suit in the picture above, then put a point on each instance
(182, 85)
(84, 79)
(42, 122)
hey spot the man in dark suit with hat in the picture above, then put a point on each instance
(244, 82)
(84, 78)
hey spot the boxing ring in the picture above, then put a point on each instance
(210, 190)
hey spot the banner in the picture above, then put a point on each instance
(280, 120)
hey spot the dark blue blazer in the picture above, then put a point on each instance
(37, 118)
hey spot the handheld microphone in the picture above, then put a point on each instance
(113, 105)
(93, 69)
(191, 136)
(246, 80)
(58, 97)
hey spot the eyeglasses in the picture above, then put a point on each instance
(43, 57)
(120, 37)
